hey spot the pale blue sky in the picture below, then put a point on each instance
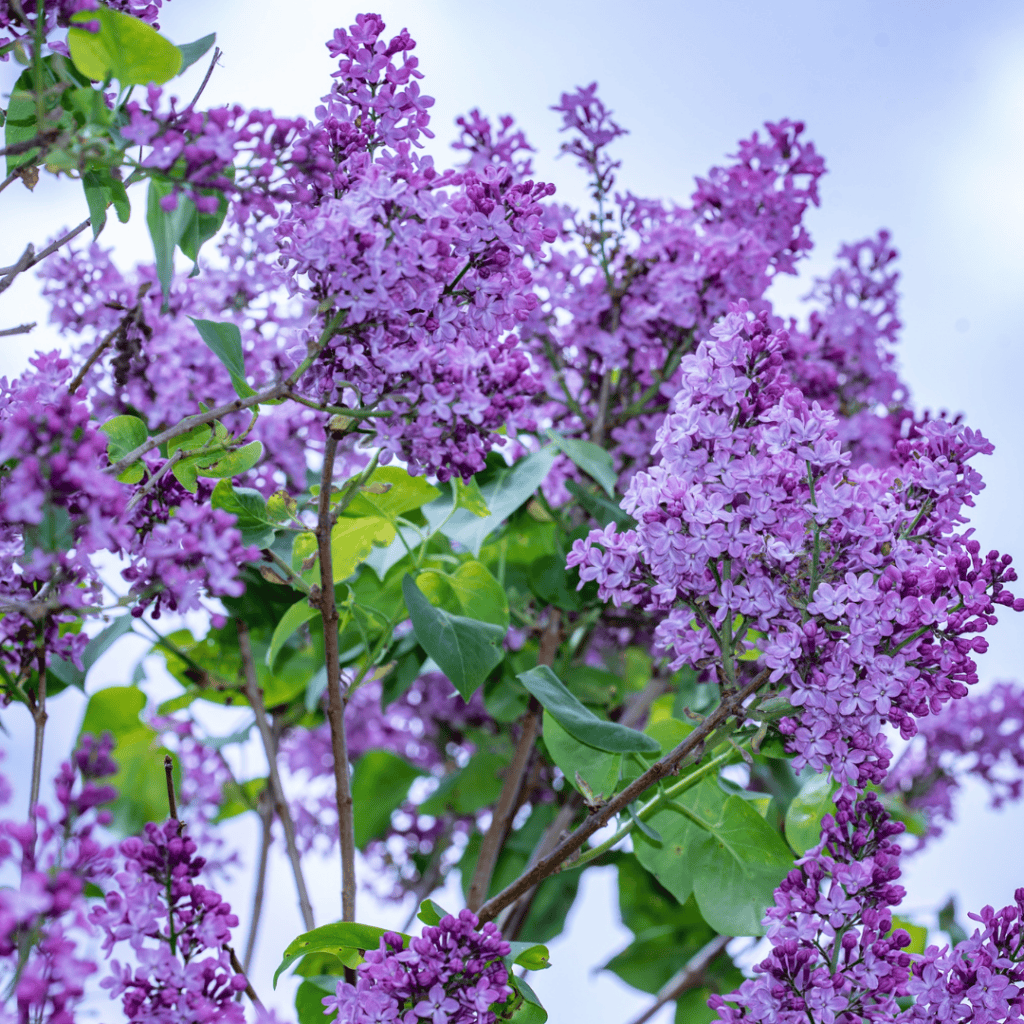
(918, 108)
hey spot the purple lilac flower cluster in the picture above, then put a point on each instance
(837, 959)
(57, 508)
(451, 974)
(981, 735)
(835, 955)
(758, 539)
(41, 919)
(421, 274)
(223, 151)
(169, 920)
(651, 279)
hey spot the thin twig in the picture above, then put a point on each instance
(255, 698)
(335, 702)
(38, 709)
(172, 804)
(508, 801)
(10, 177)
(666, 766)
(28, 259)
(217, 52)
(7, 332)
(76, 383)
(153, 481)
(689, 977)
(266, 813)
(249, 990)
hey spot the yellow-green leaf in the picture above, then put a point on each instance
(124, 47)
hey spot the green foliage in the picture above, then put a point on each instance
(125, 48)
(183, 227)
(598, 769)
(103, 189)
(124, 435)
(380, 784)
(240, 797)
(465, 649)
(580, 722)
(390, 492)
(249, 508)
(339, 939)
(224, 340)
(719, 848)
(141, 782)
(918, 934)
(22, 111)
(296, 616)
(509, 488)
(471, 591)
(469, 789)
(191, 52)
(594, 460)
(809, 806)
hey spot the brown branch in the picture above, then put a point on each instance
(335, 702)
(38, 709)
(508, 801)
(689, 977)
(38, 140)
(29, 258)
(8, 332)
(172, 804)
(255, 698)
(266, 813)
(249, 990)
(668, 765)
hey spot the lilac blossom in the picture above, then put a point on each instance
(421, 274)
(980, 736)
(451, 974)
(169, 921)
(42, 920)
(855, 587)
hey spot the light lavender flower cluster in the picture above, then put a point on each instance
(451, 974)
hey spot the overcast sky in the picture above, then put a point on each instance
(918, 108)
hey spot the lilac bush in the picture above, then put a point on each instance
(500, 522)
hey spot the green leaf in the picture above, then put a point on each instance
(532, 955)
(191, 52)
(249, 508)
(184, 226)
(591, 458)
(351, 541)
(224, 340)
(140, 781)
(126, 48)
(738, 861)
(949, 924)
(476, 592)
(299, 613)
(20, 125)
(102, 189)
(234, 463)
(467, 791)
(578, 720)
(469, 497)
(466, 650)
(332, 938)
(509, 489)
(809, 806)
(603, 510)
(309, 1007)
(124, 435)
(399, 493)
(69, 675)
(431, 912)
(598, 769)
(531, 1011)
(918, 935)
(380, 784)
